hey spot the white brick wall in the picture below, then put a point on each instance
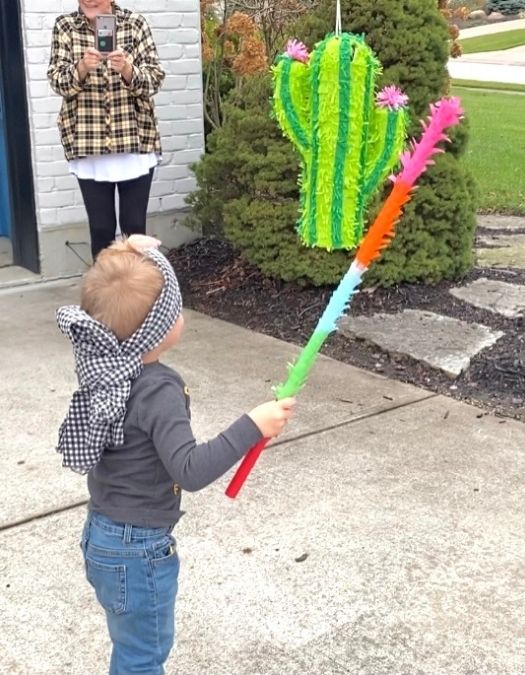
(179, 110)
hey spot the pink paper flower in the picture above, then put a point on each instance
(297, 50)
(392, 97)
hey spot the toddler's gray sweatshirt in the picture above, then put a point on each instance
(140, 482)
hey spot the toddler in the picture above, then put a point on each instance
(128, 428)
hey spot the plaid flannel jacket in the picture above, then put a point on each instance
(102, 114)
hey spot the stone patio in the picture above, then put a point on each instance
(504, 250)
(496, 222)
(496, 296)
(439, 341)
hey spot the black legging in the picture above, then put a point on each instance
(99, 200)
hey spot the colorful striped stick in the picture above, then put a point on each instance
(348, 142)
(444, 114)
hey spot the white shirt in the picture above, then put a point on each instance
(113, 168)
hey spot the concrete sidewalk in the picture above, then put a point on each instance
(405, 508)
(504, 66)
(491, 28)
(504, 57)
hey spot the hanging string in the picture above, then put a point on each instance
(338, 27)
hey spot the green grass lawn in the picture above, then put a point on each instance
(496, 151)
(494, 42)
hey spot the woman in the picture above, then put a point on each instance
(107, 122)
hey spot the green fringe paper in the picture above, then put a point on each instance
(347, 144)
(308, 226)
(391, 126)
(291, 102)
(299, 371)
(343, 142)
(368, 104)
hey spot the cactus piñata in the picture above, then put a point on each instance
(443, 115)
(348, 140)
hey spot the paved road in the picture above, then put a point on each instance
(490, 29)
(501, 66)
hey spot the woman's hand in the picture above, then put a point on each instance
(89, 62)
(119, 62)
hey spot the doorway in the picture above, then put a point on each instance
(18, 230)
(6, 250)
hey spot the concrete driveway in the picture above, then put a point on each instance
(384, 535)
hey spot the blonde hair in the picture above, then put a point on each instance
(121, 288)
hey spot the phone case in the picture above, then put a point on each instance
(105, 33)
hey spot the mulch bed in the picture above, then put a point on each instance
(217, 281)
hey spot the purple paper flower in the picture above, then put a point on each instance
(392, 97)
(297, 50)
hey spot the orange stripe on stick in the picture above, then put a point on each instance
(381, 232)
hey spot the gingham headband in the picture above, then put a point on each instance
(106, 368)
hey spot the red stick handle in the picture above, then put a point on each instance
(245, 467)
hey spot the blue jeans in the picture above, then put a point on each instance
(134, 572)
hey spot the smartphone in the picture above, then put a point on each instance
(106, 33)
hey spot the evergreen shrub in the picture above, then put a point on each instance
(247, 183)
(506, 6)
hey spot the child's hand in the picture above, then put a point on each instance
(272, 417)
